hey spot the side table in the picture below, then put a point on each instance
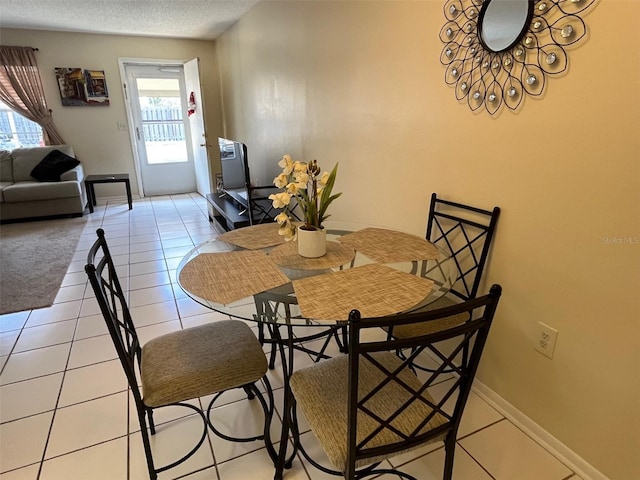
(91, 180)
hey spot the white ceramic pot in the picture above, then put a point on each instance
(312, 243)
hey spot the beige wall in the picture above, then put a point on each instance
(360, 83)
(92, 131)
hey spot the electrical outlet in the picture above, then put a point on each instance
(546, 339)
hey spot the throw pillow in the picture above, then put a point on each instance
(54, 164)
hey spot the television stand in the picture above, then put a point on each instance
(232, 214)
(226, 211)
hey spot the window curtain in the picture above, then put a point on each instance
(21, 89)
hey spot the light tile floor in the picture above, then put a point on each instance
(66, 413)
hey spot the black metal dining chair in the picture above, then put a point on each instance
(466, 233)
(370, 405)
(180, 366)
(261, 209)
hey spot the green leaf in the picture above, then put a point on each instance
(326, 198)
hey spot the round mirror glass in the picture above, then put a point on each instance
(503, 22)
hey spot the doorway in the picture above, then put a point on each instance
(157, 107)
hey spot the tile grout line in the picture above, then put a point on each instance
(55, 408)
(459, 445)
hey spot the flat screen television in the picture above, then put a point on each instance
(235, 170)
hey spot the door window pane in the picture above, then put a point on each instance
(162, 122)
(17, 131)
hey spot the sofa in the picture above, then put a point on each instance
(23, 196)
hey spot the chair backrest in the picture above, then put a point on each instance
(261, 209)
(387, 398)
(112, 301)
(466, 232)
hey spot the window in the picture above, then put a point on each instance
(17, 131)
(162, 121)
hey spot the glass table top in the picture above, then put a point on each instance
(253, 274)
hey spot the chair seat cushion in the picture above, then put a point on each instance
(425, 328)
(200, 361)
(321, 392)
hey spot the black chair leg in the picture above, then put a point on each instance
(262, 338)
(152, 425)
(449, 447)
(274, 351)
(249, 392)
(146, 443)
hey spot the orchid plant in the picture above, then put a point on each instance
(312, 192)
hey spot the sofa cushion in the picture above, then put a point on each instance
(75, 174)
(6, 166)
(24, 159)
(31, 191)
(54, 164)
(2, 187)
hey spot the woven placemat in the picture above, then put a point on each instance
(375, 290)
(254, 237)
(389, 246)
(287, 256)
(230, 276)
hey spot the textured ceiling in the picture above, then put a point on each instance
(201, 19)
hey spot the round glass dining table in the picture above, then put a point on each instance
(253, 274)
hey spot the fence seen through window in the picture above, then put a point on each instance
(163, 128)
(162, 124)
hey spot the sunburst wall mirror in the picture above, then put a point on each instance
(499, 51)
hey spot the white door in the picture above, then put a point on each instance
(158, 103)
(199, 143)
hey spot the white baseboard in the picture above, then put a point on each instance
(563, 453)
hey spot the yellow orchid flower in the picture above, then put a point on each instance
(281, 180)
(292, 188)
(287, 231)
(286, 164)
(280, 200)
(301, 177)
(282, 218)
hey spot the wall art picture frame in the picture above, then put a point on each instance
(81, 87)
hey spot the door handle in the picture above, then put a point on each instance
(138, 133)
(205, 144)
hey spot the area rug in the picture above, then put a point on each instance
(34, 257)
